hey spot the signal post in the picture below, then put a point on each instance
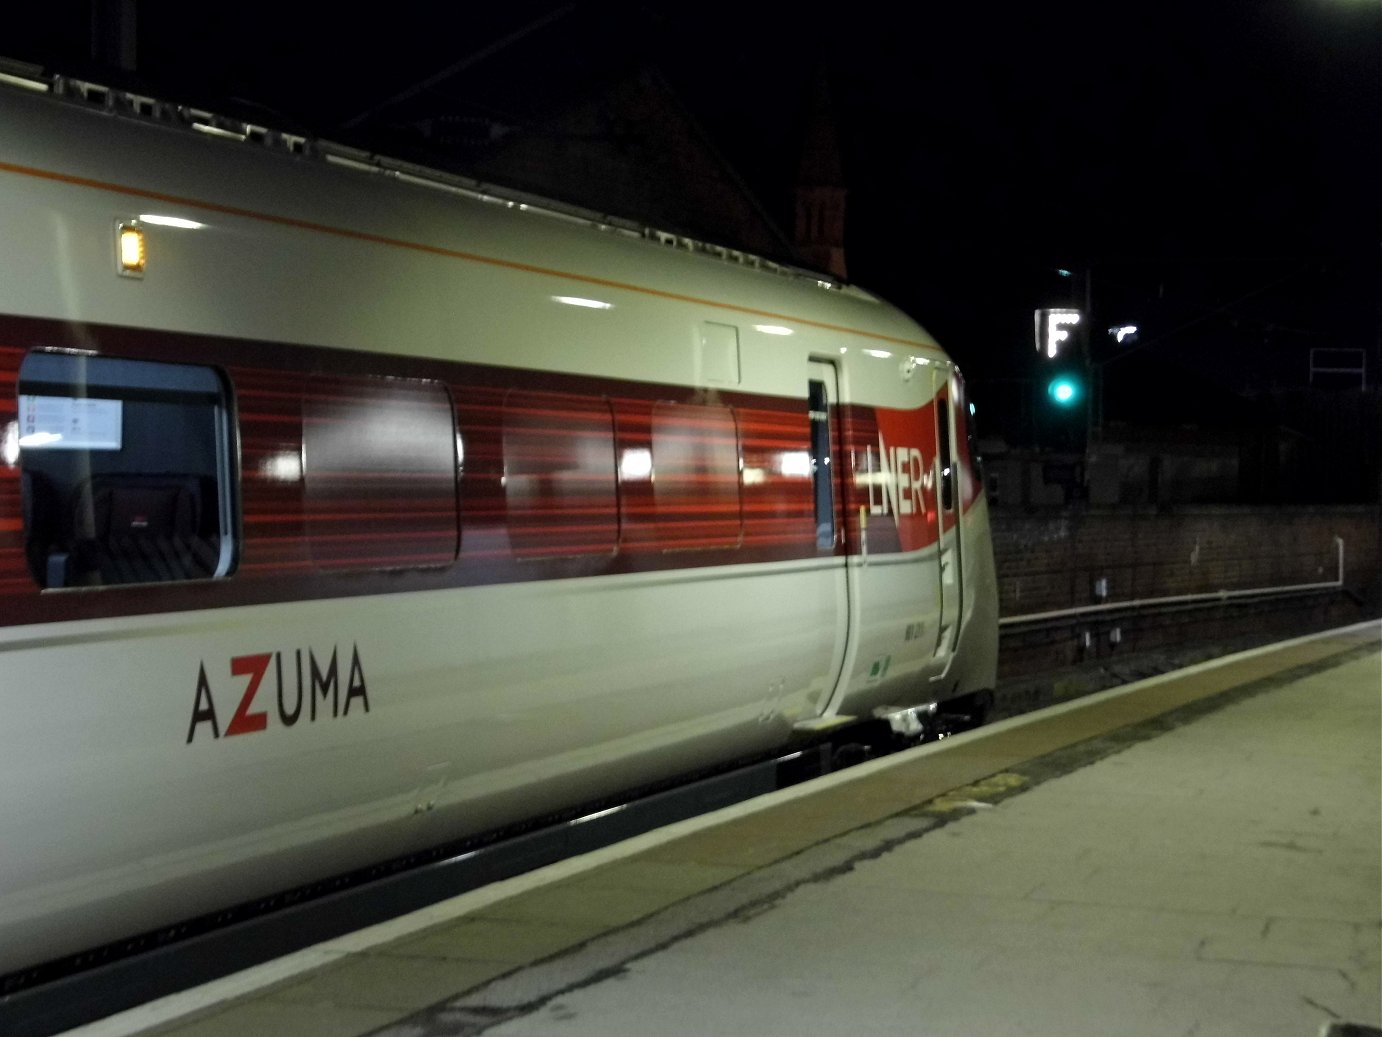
(1063, 380)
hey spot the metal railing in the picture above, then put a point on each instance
(1204, 598)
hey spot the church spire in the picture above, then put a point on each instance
(820, 218)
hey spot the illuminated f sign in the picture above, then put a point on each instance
(1052, 330)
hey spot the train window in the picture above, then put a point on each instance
(947, 462)
(971, 464)
(818, 404)
(779, 506)
(695, 475)
(379, 460)
(559, 475)
(126, 471)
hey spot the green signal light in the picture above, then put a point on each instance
(1065, 391)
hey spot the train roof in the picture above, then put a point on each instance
(343, 195)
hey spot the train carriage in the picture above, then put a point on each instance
(347, 507)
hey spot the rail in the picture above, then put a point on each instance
(1206, 597)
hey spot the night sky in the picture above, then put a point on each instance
(1217, 166)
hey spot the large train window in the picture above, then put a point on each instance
(379, 461)
(695, 473)
(126, 471)
(559, 475)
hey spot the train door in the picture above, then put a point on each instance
(823, 390)
(949, 505)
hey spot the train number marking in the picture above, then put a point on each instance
(318, 683)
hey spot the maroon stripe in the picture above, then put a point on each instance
(539, 494)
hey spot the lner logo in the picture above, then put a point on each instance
(900, 480)
(896, 485)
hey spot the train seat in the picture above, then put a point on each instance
(141, 529)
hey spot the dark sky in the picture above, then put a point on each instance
(1217, 164)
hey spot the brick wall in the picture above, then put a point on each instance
(1053, 560)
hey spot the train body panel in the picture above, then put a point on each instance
(302, 248)
(386, 514)
(197, 741)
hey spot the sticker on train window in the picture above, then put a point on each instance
(69, 423)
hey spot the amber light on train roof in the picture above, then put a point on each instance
(129, 250)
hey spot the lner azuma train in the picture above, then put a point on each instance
(348, 508)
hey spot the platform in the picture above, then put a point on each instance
(1197, 854)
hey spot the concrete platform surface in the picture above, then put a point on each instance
(1197, 855)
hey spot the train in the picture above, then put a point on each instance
(348, 507)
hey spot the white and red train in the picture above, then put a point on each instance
(347, 508)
